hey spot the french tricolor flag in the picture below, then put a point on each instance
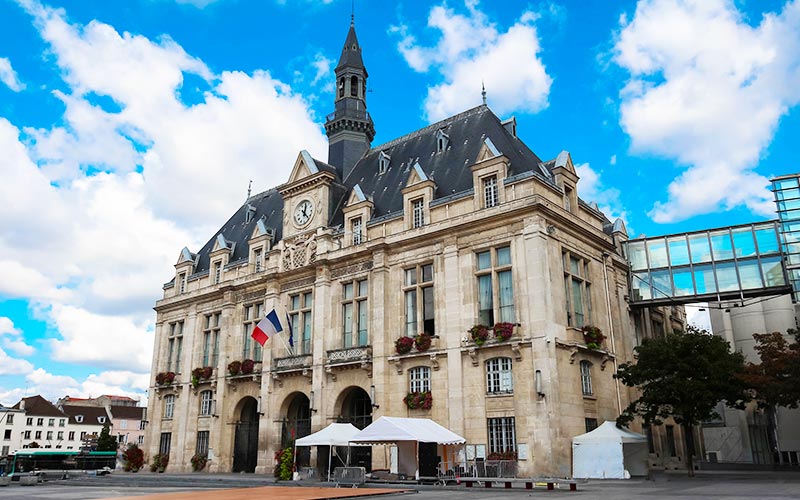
(267, 327)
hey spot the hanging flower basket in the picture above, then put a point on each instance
(423, 342)
(199, 462)
(419, 400)
(479, 334)
(403, 345)
(247, 366)
(201, 374)
(207, 372)
(165, 378)
(592, 336)
(503, 331)
(234, 367)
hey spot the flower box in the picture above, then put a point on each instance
(419, 400)
(165, 378)
(593, 336)
(479, 334)
(403, 345)
(201, 374)
(503, 331)
(423, 342)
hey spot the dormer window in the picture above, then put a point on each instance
(79, 419)
(418, 212)
(250, 215)
(442, 141)
(217, 272)
(257, 258)
(490, 198)
(357, 231)
(383, 162)
(568, 199)
(102, 420)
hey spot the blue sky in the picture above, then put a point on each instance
(131, 129)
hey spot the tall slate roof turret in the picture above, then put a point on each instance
(349, 128)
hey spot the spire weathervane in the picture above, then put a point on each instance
(352, 12)
(249, 185)
(483, 92)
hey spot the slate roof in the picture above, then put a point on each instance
(38, 406)
(128, 412)
(90, 414)
(351, 51)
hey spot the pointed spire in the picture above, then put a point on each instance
(351, 52)
(483, 92)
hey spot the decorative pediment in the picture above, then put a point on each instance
(488, 150)
(304, 166)
(417, 175)
(222, 244)
(186, 257)
(261, 229)
(298, 252)
(564, 160)
(619, 227)
(356, 196)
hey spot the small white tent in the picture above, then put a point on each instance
(609, 453)
(407, 433)
(333, 435)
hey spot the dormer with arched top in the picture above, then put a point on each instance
(417, 197)
(442, 141)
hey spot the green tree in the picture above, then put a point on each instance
(683, 376)
(775, 381)
(106, 442)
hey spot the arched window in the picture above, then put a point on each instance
(586, 378)
(341, 87)
(419, 379)
(206, 403)
(498, 376)
(169, 405)
(354, 86)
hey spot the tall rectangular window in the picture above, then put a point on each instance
(358, 236)
(300, 305)
(258, 259)
(202, 443)
(498, 376)
(165, 443)
(419, 303)
(211, 328)
(502, 435)
(490, 196)
(29, 421)
(9, 418)
(27, 435)
(577, 289)
(419, 379)
(71, 436)
(217, 272)
(495, 286)
(418, 212)
(175, 346)
(586, 378)
(206, 403)
(182, 283)
(169, 406)
(354, 313)
(251, 349)
(591, 424)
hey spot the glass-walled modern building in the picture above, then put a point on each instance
(787, 198)
(718, 264)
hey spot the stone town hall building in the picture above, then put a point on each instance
(453, 225)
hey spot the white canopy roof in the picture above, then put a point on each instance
(393, 429)
(609, 432)
(333, 435)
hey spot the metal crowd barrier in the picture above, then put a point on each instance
(349, 476)
(452, 471)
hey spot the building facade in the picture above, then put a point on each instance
(455, 225)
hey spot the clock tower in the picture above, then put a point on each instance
(349, 128)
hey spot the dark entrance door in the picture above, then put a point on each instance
(357, 410)
(428, 459)
(297, 424)
(245, 445)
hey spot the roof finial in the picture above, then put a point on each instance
(249, 185)
(352, 12)
(483, 92)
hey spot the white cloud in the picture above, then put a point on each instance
(13, 366)
(200, 4)
(612, 160)
(7, 327)
(592, 189)
(707, 90)
(472, 51)
(9, 77)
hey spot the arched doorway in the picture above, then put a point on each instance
(245, 444)
(296, 424)
(357, 409)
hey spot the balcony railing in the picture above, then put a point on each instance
(291, 363)
(349, 357)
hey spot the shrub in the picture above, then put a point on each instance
(234, 367)
(419, 400)
(593, 336)
(283, 464)
(133, 458)
(159, 463)
(503, 331)
(403, 345)
(247, 366)
(479, 334)
(199, 462)
(422, 342)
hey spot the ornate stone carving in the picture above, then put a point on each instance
(358, 267)
(298, 252)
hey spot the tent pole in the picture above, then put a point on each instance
(330, 451)
(294, 461)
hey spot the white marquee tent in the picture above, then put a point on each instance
(406, 434)
(609, 453)
(333, 435)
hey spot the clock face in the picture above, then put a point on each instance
(303, 212)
